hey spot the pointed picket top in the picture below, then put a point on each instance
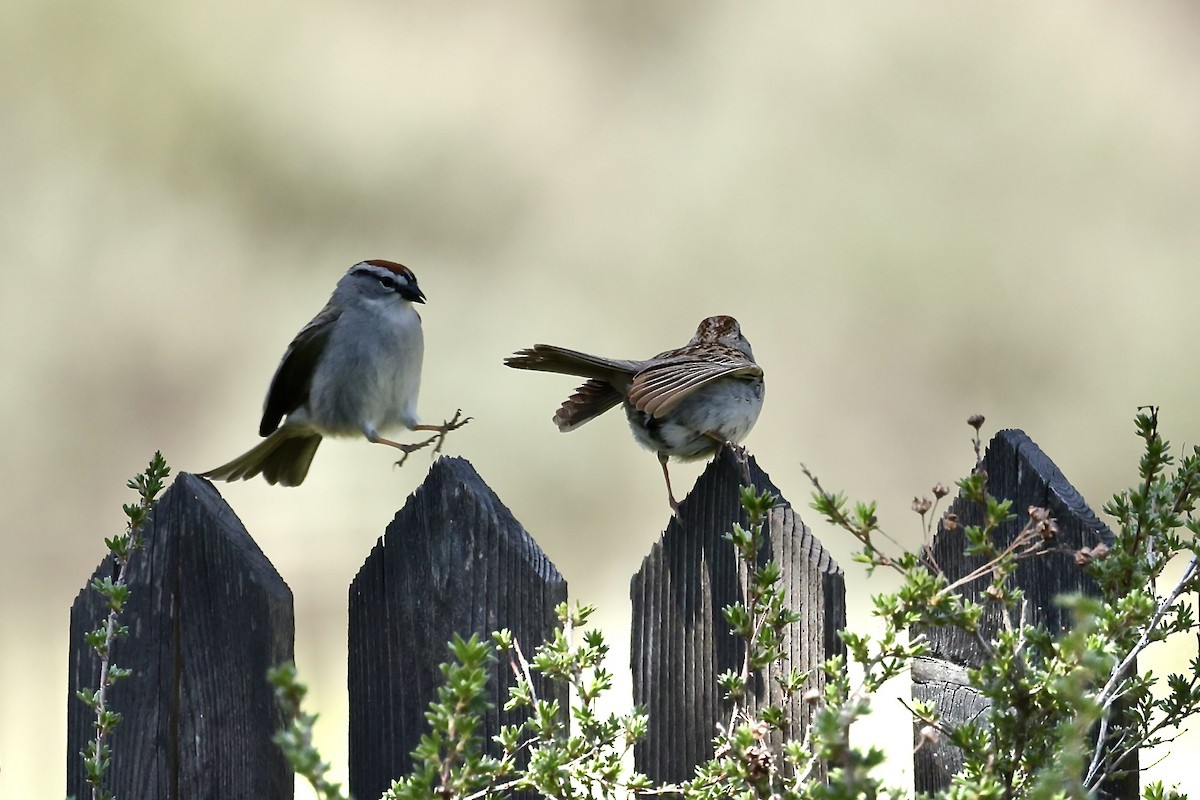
(1018, 470)
(453, 561)
(681, 641)
(208, 615)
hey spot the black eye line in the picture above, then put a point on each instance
(388, 282)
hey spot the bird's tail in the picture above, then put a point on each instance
(548, 358)
(588, 402)
(608, 380)
(283, 457)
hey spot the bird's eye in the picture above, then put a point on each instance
(387, 282)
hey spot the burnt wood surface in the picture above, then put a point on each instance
(208, 615)
(454, 560)
(1017, 470)
(681, 641)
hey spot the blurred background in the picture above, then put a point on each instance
(917, 214)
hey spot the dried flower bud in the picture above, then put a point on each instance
(921, 505)
(1083, 556)
(1100, 551)
(975, 421)
(758, 762)
(994, 592)
(1044, 525)
(950, 522)
(930, 734)
(812, 696)
(1048, 530)
(940, 490)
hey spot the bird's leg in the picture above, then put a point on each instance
(407, 449)
(743, 458)
(451, 425)
(662, 460)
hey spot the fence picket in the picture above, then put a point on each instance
(454, 560)
(208, 615)
(681, 642)
(1017, 470)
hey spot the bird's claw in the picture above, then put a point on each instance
(409, 449)
(453, 424)
(742, 456)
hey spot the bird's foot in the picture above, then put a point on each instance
(740, 454)
(409, 449)
(452, 424)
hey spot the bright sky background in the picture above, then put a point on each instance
(916, 212)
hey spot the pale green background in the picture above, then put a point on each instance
(917, 211)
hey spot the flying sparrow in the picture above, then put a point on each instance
(355, 369)
(685, 403)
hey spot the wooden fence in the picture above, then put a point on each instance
(209, 614)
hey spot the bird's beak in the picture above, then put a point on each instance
(413, 294)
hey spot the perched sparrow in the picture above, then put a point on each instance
(685, 403)
(355, 369)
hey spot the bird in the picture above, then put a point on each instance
(355, 369)
(685, 403)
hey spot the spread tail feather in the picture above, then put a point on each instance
(549, 358)
(588, 402)
(283, 457)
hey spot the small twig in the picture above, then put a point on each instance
(1109, 694)
(110, 636)
(115, 592)
(1025, 537)
(1105, 698)
(521, 669)
(845, 523)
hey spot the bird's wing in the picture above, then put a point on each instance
(293, 379)
(660, 387)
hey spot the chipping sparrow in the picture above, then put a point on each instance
(356, 368)
(685, 403)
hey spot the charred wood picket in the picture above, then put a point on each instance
(454, 560)
(1017, 470)
(681, 641)
(208, 615)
